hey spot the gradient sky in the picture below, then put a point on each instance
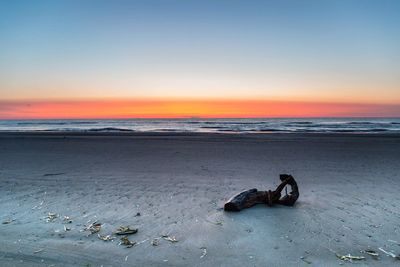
(342, 52)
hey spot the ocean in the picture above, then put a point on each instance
(269, 125)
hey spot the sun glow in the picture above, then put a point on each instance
(149, 108)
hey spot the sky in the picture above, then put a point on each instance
(199, 58)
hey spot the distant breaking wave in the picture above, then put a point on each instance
(325, 125)
(109, 129)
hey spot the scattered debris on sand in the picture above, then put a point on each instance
(155, 242)
(7, 221)
(375, 225)
(204, 252)
(371, 252)
(304, 258)
(171, 239)
(126, 230)
(67, 219)
(126, 242)
(141, 242)
(39, 206)
(349, 257)
(217, 223)
(391, 254)
(105, 237)
(94, 227)
(51, 217)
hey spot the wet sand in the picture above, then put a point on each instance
(349, 198)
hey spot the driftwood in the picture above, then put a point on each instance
(251, 197)
(245, 199)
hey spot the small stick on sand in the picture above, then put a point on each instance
(204, 252)
(391, 254)
(38, 251)
(8, 221)
(171, 239)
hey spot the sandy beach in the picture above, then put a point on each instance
(174, 185)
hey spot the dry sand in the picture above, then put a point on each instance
(349, 198)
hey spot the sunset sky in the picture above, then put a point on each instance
(170, 58)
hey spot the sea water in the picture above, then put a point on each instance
(267, 125)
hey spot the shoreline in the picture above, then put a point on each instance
(199, 134)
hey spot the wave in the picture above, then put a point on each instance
(360, 123)
(225, 122)
(301, 122)
(109, 129)
(271, 130)
(213, 125)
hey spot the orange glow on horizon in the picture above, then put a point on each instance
(109, 109)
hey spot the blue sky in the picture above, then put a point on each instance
(346, 51)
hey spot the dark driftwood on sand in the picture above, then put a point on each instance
(245, 199)
(249, 198)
